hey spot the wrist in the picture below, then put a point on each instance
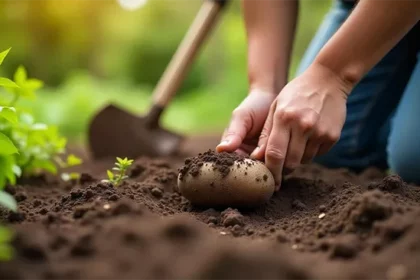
(267, 70)
(262, 91)
(345, 78)
(270, 82)
(349, 72)
(332, 76)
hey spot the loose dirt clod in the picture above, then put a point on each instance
(222, 162)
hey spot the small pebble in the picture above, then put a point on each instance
(322, 215)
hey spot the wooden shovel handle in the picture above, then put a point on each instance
(186, 52)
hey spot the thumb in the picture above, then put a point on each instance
(234, 135)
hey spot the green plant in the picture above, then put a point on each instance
(121, 166)
(26, 146)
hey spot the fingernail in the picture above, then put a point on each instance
(255, 152)
(222, 144)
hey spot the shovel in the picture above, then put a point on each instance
(114, 132)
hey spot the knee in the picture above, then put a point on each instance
(404, 161)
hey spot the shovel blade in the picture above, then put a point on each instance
(115, 132)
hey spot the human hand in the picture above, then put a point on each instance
(305, 120)
(246, 123)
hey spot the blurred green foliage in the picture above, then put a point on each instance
(92, 52)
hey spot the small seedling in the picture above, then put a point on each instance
(121, 167)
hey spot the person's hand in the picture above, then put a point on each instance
(305, 120)
(246, 123)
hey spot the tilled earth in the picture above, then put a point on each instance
(321, 224)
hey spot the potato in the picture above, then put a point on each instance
(248, 183)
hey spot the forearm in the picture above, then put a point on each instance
(270, 28)
(370, 32)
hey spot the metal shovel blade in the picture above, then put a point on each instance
(114, 132)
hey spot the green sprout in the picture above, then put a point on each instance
(121, 167)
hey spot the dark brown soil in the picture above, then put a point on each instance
(321, 224)
(222, 162)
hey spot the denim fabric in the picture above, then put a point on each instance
(382, 126)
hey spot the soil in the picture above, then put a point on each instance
(222, 162)
(321, 224)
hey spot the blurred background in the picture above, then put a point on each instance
(90, 52)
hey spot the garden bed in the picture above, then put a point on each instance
(321, 224)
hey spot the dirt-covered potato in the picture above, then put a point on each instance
(225, 179)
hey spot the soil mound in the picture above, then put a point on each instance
(321, 224)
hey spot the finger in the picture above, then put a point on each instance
(239, 126)
(311, 150)
(328, 141)
(247, 148)
(259, 151)
(324, 148)
(276, 149)
(241, 152)
(296, 149)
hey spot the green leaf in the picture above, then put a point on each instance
(8, 113)
(25, 92)
(39, 126)
(20, 76)
(3, 55)
(26, 118)
(5, 82)
(6, 167)
(17, 170)
(46, 165)
(110, 174)
(8, 201)
(120, 160)
(34, 84)
(6, 146)
(73, 160)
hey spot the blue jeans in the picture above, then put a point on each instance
(382, 126)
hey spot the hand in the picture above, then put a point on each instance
(305, 120)
(246, 123)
